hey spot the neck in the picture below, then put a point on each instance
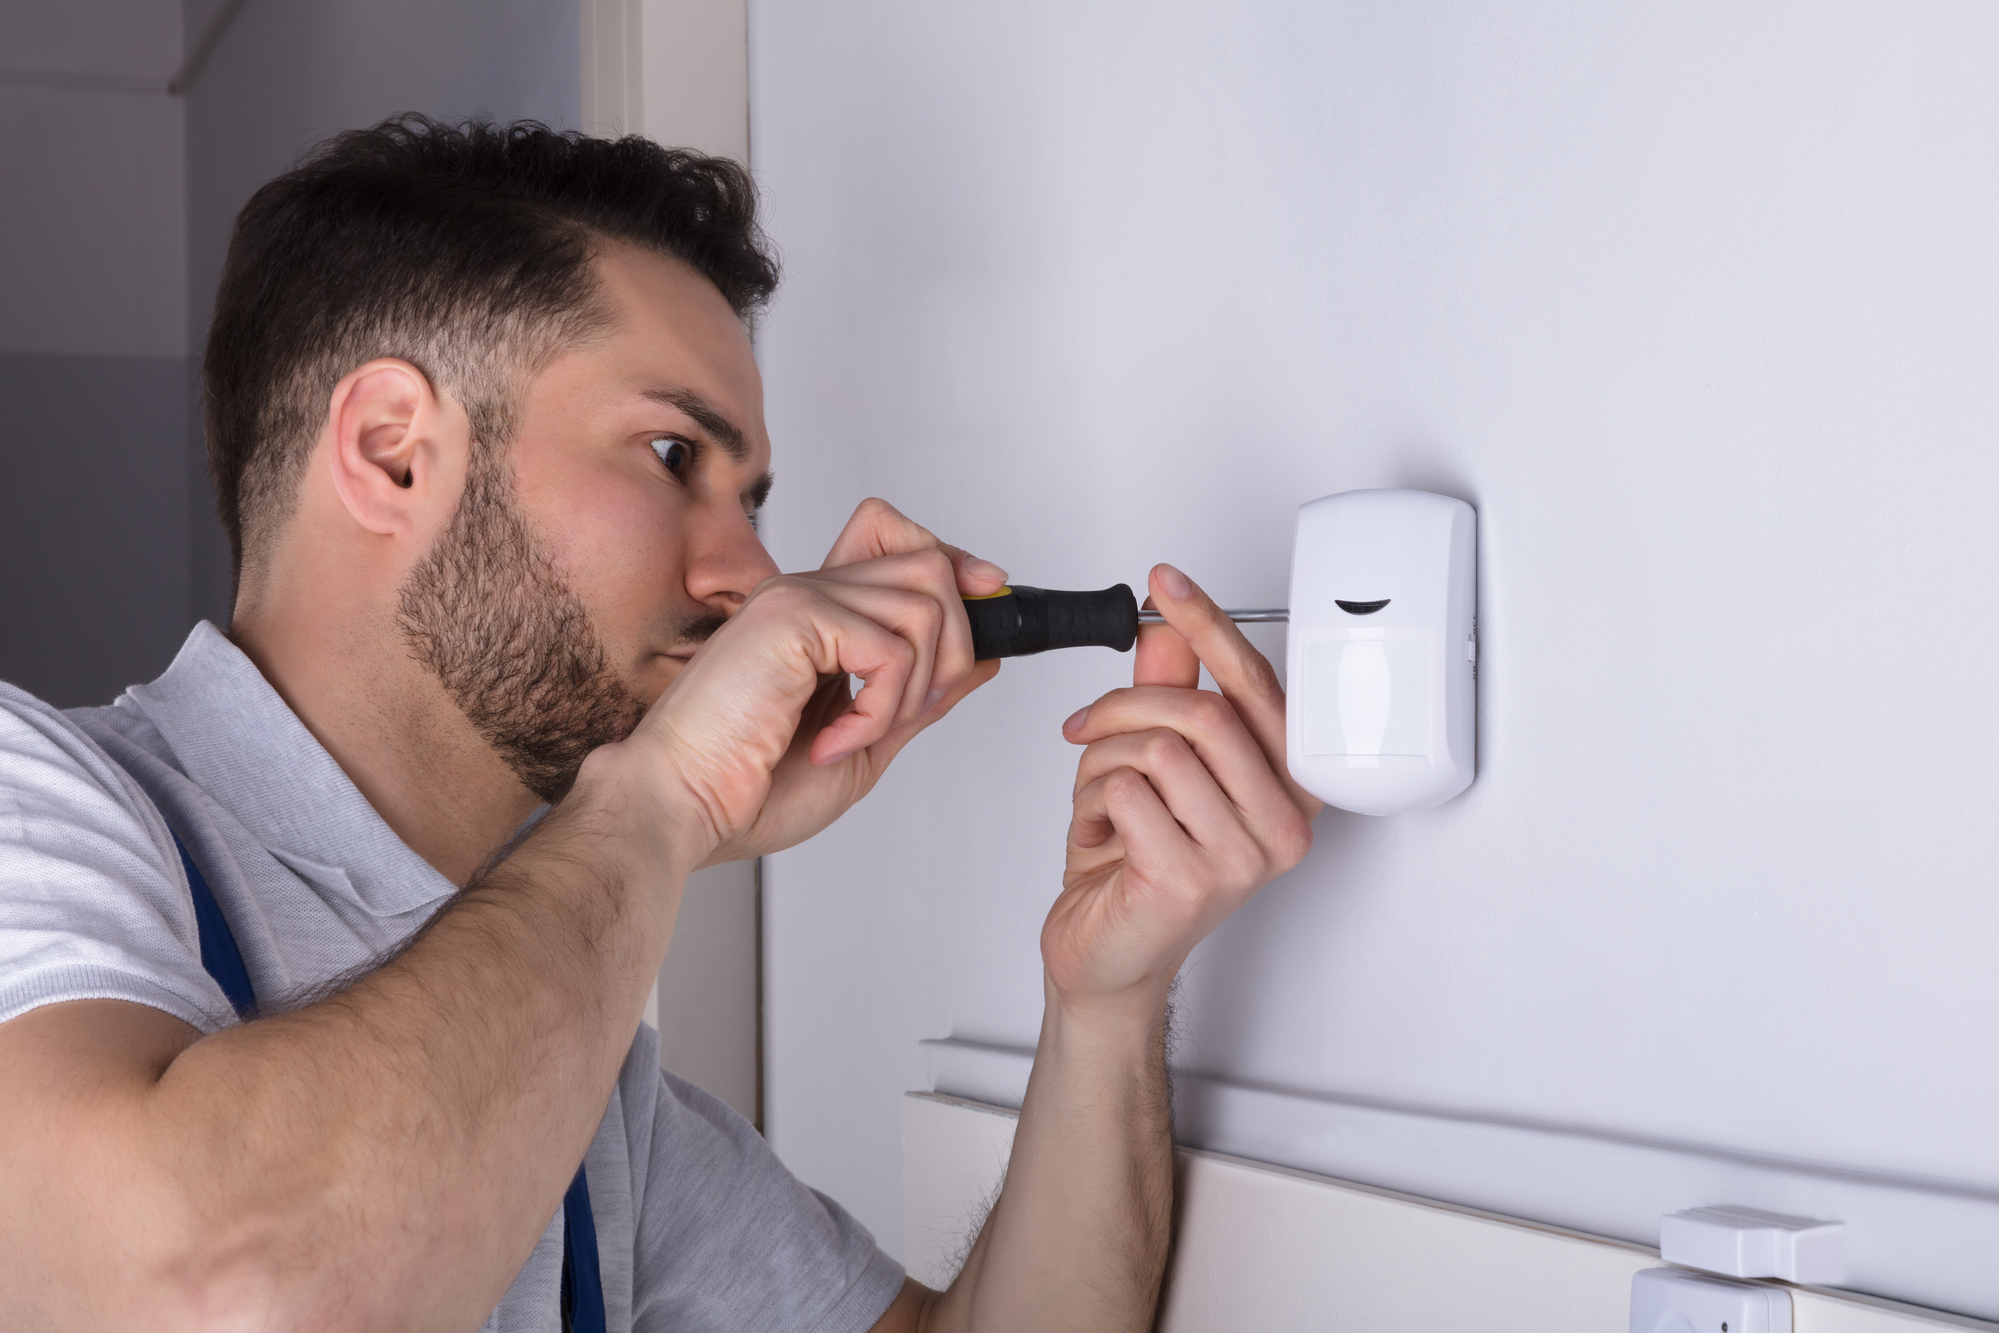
(390, 725)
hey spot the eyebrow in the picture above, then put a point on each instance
(724, 431)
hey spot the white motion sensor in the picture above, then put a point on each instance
(1383, 652)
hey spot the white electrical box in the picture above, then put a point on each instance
(1382, 656)
(1673, 1300)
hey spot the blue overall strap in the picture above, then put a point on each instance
(582, 1282)
(219, 953)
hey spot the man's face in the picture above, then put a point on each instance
(589, 559)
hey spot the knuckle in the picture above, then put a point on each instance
(1300, 844)
(935, 566)
(1160, 747)
(1124, 784)
(1211, 710)
(1241, 866)
(783, 592)
(1289, 841)
(1258, 674)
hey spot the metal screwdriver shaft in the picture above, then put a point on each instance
(1262, 615)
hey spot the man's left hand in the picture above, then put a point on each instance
(1183, 806)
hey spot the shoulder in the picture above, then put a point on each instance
(52, 768)
(93, 902)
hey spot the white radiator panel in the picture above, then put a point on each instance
(1274, 1249)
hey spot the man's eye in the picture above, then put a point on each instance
(678, 455)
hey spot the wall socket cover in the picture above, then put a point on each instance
(1382, 655)
(1677, 1300)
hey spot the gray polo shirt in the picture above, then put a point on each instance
(699, 1226)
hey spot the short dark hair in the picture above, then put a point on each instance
(463, 248)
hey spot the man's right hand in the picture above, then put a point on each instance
(759, 743)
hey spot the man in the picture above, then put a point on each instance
(486, 432)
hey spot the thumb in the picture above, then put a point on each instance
(1164, 655)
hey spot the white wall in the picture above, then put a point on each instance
(1697, 305)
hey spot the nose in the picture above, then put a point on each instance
(726, 561)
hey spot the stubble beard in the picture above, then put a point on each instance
(491, 616)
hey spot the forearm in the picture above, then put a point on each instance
(1079, 1236)
(1181, 813)
(394, 1151)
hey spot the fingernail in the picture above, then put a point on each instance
(931, 700)
(983, 569)
(1076, 720)
(1174, 583)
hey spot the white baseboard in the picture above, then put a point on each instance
(1314, 1250)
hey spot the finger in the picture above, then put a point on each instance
(882, 661)
(1222, 790)
(1124, 803)
(1244, 675)
(1211, 726)
(1090, 827)
(915, 617)
(1164, 657)
(878, 528)
(835, 639)
(933, 573)
(904, 732)
(954, 695)
(1183, 782)
(874, 757)
(1208, 722)
(976, 577)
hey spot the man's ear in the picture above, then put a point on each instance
(399, 449)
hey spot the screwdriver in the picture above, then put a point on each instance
(1018, 620)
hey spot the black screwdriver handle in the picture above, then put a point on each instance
(1021, 620)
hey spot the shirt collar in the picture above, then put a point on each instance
(240, 742)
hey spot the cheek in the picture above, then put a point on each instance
(616, 549)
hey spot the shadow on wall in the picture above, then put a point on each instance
(93, 522)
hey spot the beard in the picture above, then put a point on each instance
(489, 614)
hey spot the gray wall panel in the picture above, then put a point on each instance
(93, 522)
